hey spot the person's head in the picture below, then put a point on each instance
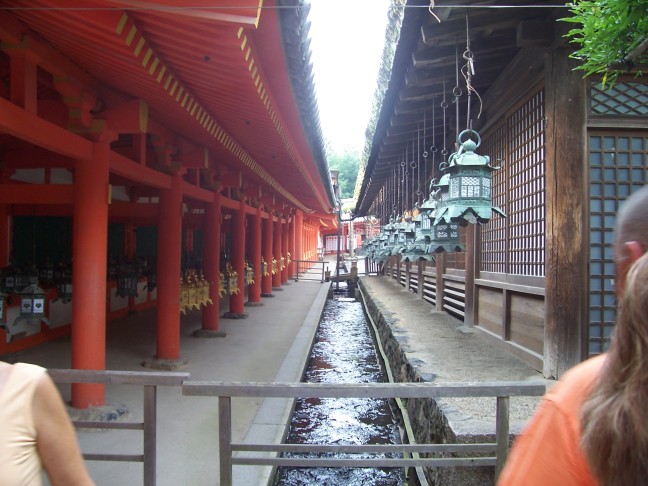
(631, 239)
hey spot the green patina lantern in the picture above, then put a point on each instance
(470, 175)
(417, 249)
(424, 232)
(387, 241)
(406, 233)
(445, 236)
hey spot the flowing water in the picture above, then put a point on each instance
(343, 352)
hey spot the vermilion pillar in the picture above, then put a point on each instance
(254, 290)
(237, 301)
(276, 251)
(211, 264)
(266, 281)
(284, 251)
(299, 235)
(169, 248)
(90, 252)
(291, 247)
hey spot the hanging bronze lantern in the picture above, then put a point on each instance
(203, 291)
(64, 287)
(3, 296)
(231, 280)
(46, 275)
(417, 249)
(274, 266)
(184, 296)
(264, 268)
(469, 199)
(32, 303)
(192, 289)
(445, 236)
(249, 273)
(407, 233)
(222, 286)
(127, 281)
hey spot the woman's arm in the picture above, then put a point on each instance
(56, 440)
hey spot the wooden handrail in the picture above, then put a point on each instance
(225, 391)
(150, 380)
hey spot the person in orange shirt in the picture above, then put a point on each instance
(591, 428)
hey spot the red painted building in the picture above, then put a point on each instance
(137, 130)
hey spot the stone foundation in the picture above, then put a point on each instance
(423, 345)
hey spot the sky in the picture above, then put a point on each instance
(347, 38)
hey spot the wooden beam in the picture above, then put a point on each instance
(566, 267)
(36, 194)
(12, 31)
(130, 117)
(135, 172)
(35, 158)
(31, 128)
(487, 22)
(247, 12)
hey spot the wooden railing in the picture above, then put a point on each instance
(149, 380)
(227, 449)
(310, 270)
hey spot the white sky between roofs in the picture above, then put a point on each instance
(347, 39)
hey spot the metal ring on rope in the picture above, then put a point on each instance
(433, 149)
(456, 91)
(444, 104)
(402, 163)
(413, 164)
(444, 152)
(425, 154)
(469, 131)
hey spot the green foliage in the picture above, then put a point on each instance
(606, 31)
(347, 163)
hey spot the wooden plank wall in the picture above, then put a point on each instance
(509, 311)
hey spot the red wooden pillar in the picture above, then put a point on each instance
(254, 290)
(276, 251)
(284, 251)
(90, 252)
(211, 263)
(266, 281)
(237, 301)
(291, 247)
(299, 235)
(169, 248)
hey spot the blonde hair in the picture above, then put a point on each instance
(615, 416)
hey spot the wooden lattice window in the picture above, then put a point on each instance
(623, 98)
(618, 166)
(494, 234)
(516, 244)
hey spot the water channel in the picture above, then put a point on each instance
(343, 352)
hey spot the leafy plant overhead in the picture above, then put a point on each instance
(612, 36)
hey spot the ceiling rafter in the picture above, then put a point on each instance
(156, 67)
